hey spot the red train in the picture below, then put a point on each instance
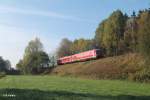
(83, 56)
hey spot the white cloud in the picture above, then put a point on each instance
(5, 9)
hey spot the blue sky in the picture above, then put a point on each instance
(52, 20)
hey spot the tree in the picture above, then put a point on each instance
(4, 65)
(34, 59)
(110, 32)
(53, 60)
(34, 46)
(130, 34)
(144, 33)
(8, 64)
(64, 48)
(81, 45)
(34, 62)
(99, 35)
(19, 65)
(68, 47)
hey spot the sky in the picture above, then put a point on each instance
(53, 20)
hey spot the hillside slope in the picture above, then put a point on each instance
(118, 67)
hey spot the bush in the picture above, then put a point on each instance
(13, 72)
(2, 74)
(142, 76)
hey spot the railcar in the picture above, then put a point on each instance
(83, 56)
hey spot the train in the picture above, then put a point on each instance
(83, 56)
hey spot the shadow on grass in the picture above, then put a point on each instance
(27, 94)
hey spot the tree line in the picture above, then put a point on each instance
(68, 47)
(5, 67)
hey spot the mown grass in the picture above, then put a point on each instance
(67, 88)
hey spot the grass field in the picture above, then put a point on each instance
(67, 88)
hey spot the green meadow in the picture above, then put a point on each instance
(68, 88)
